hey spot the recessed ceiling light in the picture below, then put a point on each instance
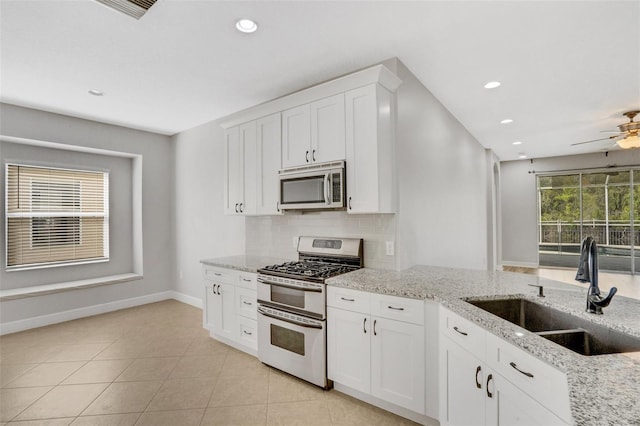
(522, 155)
(246, 25)
(516, 143)
(492, 85)
(96, 92)
(506, 121)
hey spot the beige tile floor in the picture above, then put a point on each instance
(155, 365)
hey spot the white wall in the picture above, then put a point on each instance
(519, 198)
(201, 228)
(157, 201)
(442, 181)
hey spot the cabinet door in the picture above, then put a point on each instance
(462, 386)
(369, 149)
(327, 129)
(296, 136)
(348, 349)
(397, 363)
(249, 167)
(234, 172)
(209, 307)
(269, 160)
(508, 405)
(224, 315)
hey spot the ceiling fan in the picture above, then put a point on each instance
(627, 137)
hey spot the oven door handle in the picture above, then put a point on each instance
(315, 290)
(290, 321)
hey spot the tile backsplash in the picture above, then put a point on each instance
(274, 235)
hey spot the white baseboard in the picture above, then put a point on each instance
(185, 298)
(43, 320)
(518, 265)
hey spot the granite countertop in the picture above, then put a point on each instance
(603, 389)
(244, 263)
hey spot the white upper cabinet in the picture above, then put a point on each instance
(268, 163)
(370, 115)
(234, 171)
(296, 136)
(248, 142)
(314, 132)
(253, 161)
(327, 129)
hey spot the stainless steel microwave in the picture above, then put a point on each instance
(314, 187)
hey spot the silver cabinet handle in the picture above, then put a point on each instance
(515, 366)
(461, 332)
(348, 300)
(374, 327)
(364, 325)
(313, 156)
(395, 309)
(478, 384)
(306, 156)
(489, 378)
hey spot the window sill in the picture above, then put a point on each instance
(42, 290)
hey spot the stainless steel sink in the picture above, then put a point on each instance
(575, 333)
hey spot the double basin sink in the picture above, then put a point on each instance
(574, 333)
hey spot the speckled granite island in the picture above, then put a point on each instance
(603, 389)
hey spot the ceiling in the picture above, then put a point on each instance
(568, 69)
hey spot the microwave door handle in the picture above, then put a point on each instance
(327, 200)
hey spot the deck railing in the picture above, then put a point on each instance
(613, 233)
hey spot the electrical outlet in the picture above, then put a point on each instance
(390, 248)
(294, 242)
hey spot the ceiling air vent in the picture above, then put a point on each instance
(133, 8)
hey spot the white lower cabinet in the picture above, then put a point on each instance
(230, 307)
(375, 354)
(473, 392)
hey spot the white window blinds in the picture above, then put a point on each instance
(55, 216)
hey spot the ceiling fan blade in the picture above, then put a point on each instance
(594, 140)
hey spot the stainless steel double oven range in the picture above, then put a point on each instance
(292, 331)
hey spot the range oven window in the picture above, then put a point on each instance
(290, 340)
(287, 296)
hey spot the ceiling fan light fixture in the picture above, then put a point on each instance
(631, 141)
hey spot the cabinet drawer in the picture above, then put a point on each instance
(541, 381)
(462, 331)
(246, 304)
(248, 335)
(351, 300)
(218, 274)
(398, 308)
(247, 280)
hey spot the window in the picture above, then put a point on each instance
(55, 216)
(599, 204)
